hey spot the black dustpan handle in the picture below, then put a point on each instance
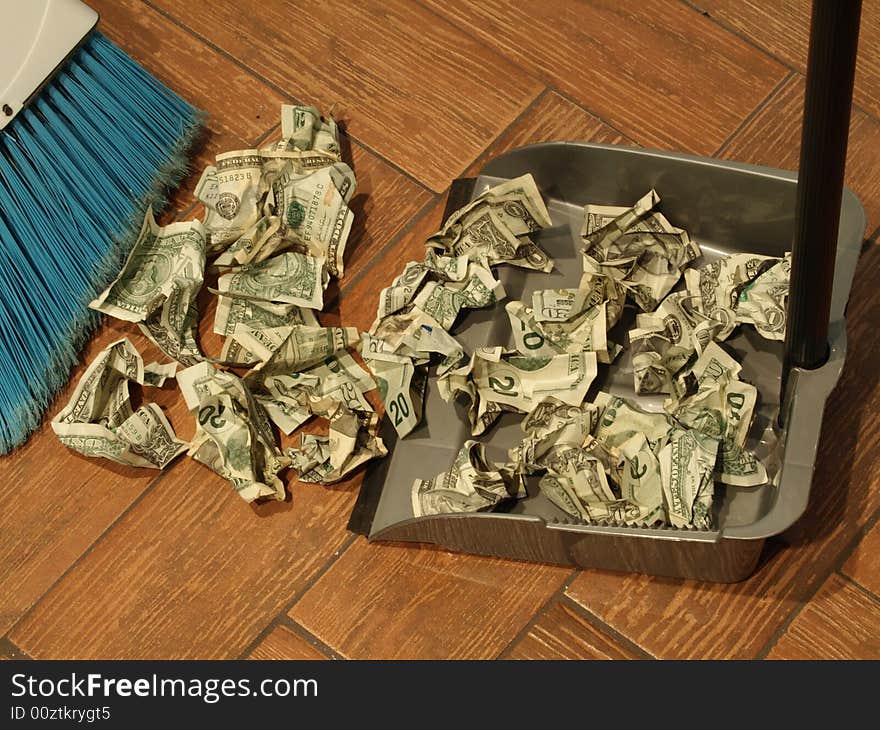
(834, 35)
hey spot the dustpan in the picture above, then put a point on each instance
(727, 207)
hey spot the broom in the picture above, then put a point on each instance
(88, 140)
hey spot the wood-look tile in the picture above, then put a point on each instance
(551, 118)
(191, 572)
(563, 633)
(411, 602)
(783, 28)
(283, 644)
(863, 566)
(773, 137)
(55, 503)
(840, 622)
(414, 88)
(657, 70)
(383, 205)
(686, 619)
(241, 109)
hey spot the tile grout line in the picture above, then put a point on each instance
(598, 117)
(867, 112)
(297, 628)
(749, 118)
(738, 33)
(148, 488)
(867, 592)
(275, 87)
(607, 629)
(754, 44)
(523, 632)
(283, 613)
(547, 86)
(836, 567)
(436, 197)
(6, 645)
(467, 33)
(85, 553)
(380, 254)
(518, 117)
(864, 590)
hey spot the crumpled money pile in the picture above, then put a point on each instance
(611, 461)
(275, 229)
(739, 289)
(423, 303)
(276, 225)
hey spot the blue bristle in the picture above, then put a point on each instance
(78, 168)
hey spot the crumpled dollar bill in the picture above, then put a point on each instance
(614, 462)
(286, 350)
(303, 128)
(304, 371)
(665, 340)
(307, 213)
(253, 315)
(292, 399)
(763, 301)
(99, 419)
(156, 374)
(496, 226)
(586, 331)
(472, 484)
(583, 476)
(611, 462)
(233, 435)
(551, 425)
(398, 351)
(638, 248)
(352, 440)
(687, 462)
(717, 403)
(402, 385)
(288, 278)
(293, 194)
(496, 381)
(743, 288)
(158, 286)
(230, 192)
(635, 468)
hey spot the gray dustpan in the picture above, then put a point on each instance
(727, 207)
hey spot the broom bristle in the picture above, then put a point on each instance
(78, 167)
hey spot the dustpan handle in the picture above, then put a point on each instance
(834, 35)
